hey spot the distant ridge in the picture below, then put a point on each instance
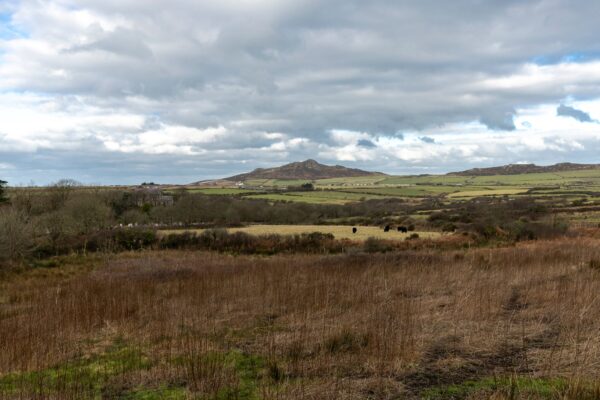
(309, 170)
(516, 169)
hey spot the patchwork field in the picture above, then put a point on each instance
(488, 192)
(221, 191)
(580, 184)
(299, 198)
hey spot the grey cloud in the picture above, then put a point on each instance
(104, 167)
(427, 139)
(366, 143)
(566, 111)
(498, 120)
(315, 66)
(123, 42)
(300, 68)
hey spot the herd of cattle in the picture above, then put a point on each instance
(402, 229)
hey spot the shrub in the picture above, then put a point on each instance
(449, 227)
(374, 245)
(184, 240)
(134, 239)
(135, 216)
(3, 198)
(240, 242)
(532, 230)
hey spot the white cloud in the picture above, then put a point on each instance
(257, 82)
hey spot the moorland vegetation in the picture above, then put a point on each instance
(161, 293)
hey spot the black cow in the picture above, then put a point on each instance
(402, 229)
(354, 230)
(387, 228)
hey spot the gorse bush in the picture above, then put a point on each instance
(375, 245)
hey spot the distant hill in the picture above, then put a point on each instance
(309, 170)
(516, 169)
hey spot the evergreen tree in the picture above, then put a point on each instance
(2, 191)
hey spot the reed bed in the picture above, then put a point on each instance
(512, 322)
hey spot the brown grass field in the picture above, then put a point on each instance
(501, 323)
(338, 231)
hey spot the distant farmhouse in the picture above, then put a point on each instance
(151, 194)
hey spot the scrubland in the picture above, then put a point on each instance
(519, 321)
(139, 293)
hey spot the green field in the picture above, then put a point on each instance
(296, 198)
(356, 181)
(569, 185)
(587, 177)
(488, 192)
(271, 183)
(221, 191)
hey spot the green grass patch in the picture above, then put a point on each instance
(337, 195)
(244, 374)
(221, 191)
(161, 393)
(98, 376)
(368, 180)
(514, 388)
(425, 179)
(85, 375)
(583, 177)
(296, 198)
(276, 182)
(488, 192)
(436, 190)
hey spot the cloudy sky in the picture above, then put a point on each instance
(122, 91)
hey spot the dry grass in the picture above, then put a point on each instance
(338, 231)
(518, 322)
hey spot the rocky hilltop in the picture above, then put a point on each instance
(516, 169)
(309, 170)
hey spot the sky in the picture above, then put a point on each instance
(125, 91)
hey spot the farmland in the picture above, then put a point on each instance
(338, 231)
(574, 184)
(319, 196)
(264, 292)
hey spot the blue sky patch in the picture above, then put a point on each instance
(576, 57)
(8, 30)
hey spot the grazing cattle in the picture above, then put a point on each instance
(402, 229)
(387, 228)
(354, 230)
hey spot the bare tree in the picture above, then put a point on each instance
(87, 213)
(60, 192)
(17, 234)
